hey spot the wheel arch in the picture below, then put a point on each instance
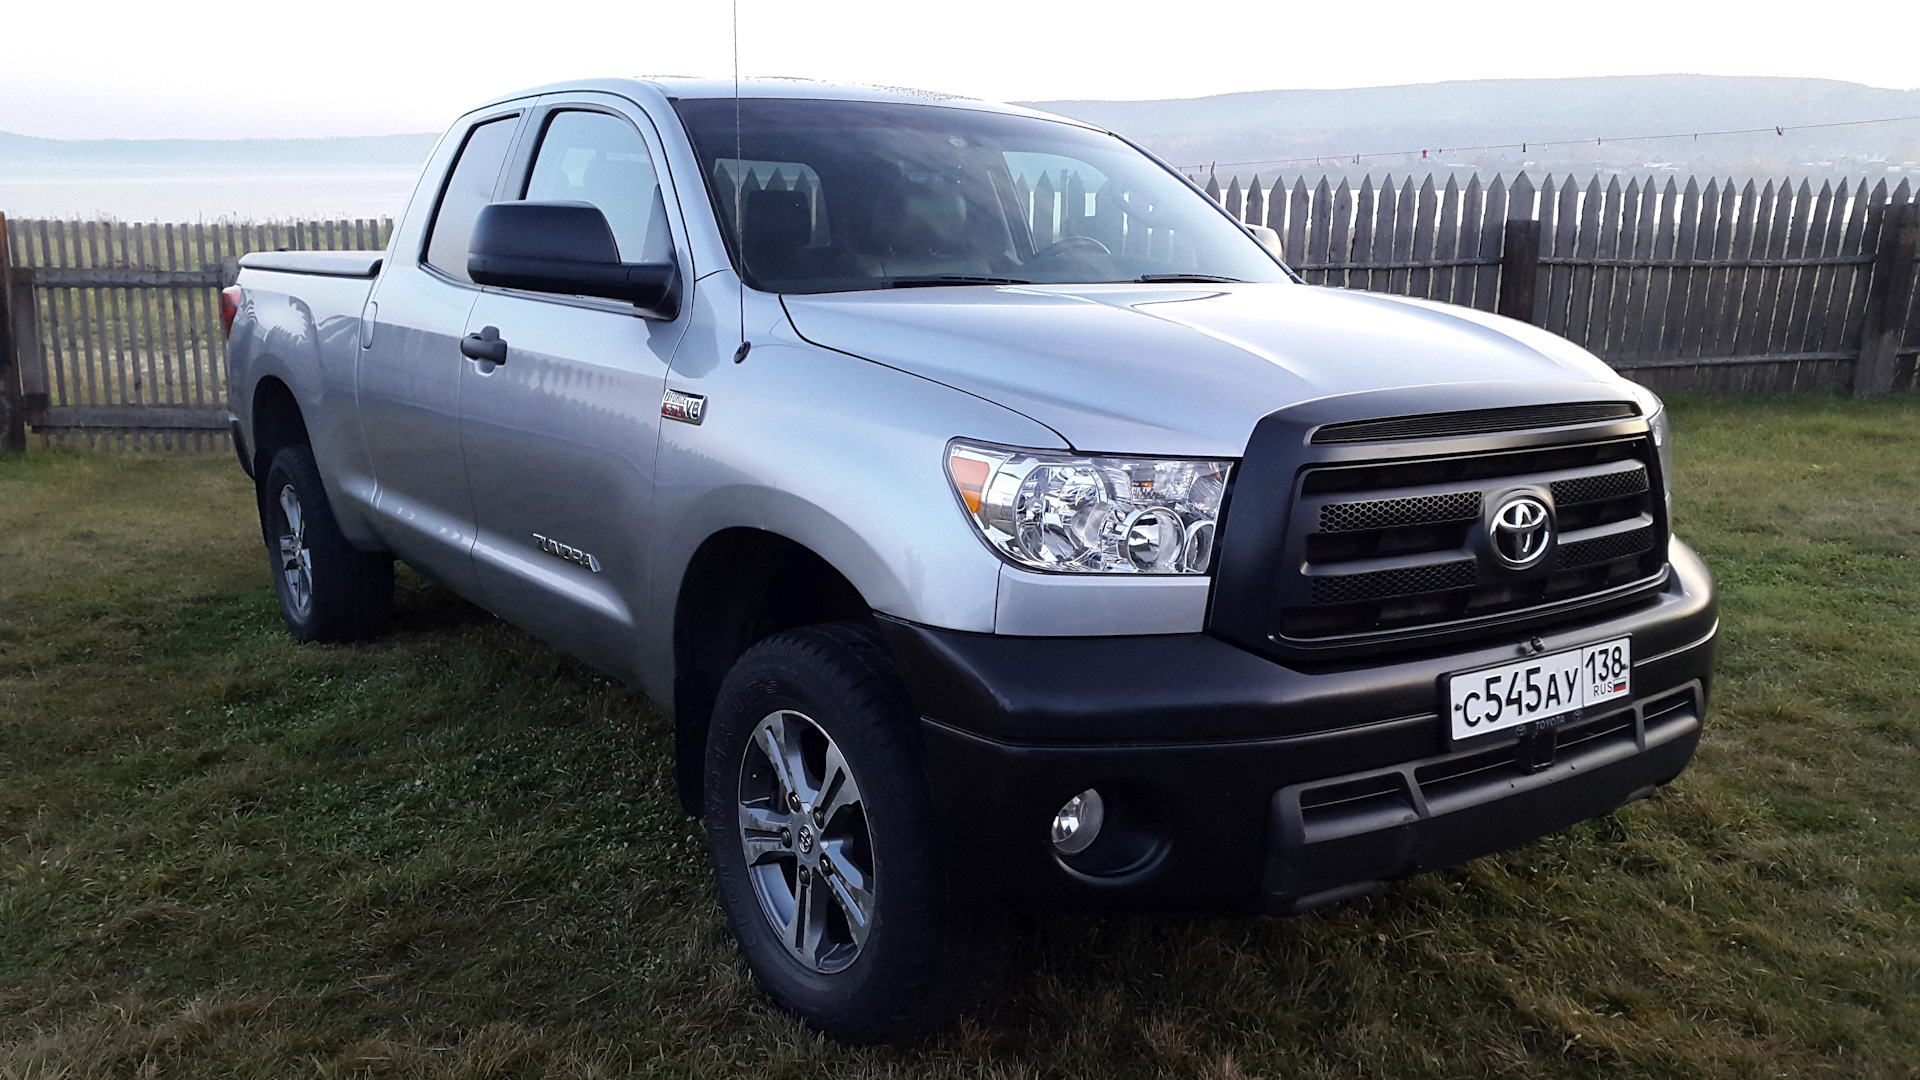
(741, 585)
(276, 421)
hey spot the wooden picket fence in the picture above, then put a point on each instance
(1730, 288)
(1726, 287)
(115, 327)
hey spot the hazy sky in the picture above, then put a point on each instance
(88, 69)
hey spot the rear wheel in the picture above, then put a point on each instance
(823, 838)
(329, 590)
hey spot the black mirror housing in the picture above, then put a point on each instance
(566, 248)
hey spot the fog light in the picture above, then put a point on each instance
(1077, 825)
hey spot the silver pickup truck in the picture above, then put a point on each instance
(1004, 525)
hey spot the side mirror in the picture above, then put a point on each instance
(1269, 240)
(567, 248)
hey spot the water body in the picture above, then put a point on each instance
(183, 192)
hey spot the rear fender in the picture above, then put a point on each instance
(304, 332)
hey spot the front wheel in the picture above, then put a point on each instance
(823, 839)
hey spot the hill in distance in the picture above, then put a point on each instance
(1314, 132)
(351, 150)
(1244, 133)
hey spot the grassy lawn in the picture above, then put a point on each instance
(457, 853)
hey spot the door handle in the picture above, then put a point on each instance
(485, 345)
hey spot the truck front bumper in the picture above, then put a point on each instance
(1234, 784)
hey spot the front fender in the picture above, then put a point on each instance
(843, 456)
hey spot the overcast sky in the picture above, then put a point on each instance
(88, 69)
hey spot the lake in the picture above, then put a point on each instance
(183, 192)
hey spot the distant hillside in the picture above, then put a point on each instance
(355, 150)
(1260, 126)
(1291, 124)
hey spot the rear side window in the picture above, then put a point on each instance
(598, 158)
(469, 187)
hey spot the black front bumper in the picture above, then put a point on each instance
(1236, 784)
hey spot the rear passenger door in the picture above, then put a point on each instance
(409, 372)
(561, 439)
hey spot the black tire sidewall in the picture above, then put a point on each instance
(352, 590)
(895, 986)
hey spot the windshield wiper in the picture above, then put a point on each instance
(1151, 278)
(951, 279)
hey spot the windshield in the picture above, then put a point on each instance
(827, 196)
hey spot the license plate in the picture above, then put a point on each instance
(1541, 688)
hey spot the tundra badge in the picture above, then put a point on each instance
(572, 554)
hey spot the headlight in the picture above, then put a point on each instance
(1663, 447)
(1091, 515)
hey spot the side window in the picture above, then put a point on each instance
(469, 187)
(596, 158)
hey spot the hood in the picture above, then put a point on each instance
(1181, 370)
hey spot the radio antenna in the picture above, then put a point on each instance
(739, 192)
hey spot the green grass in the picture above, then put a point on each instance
(457, 853)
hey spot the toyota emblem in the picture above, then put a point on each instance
(1522, 529)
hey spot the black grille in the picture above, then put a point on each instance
(1405, 581)
(1412, 553)
(1605, 548)
(1611, 485)
(1474, 422)
(1387, 513)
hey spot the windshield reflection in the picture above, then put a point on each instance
(826, 196)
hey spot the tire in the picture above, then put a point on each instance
(828, 699)
(329, 590)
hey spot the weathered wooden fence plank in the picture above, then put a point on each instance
(13, 419)
(1593, 316)
(1501, 205)
(1365, 219)
(1406, 219)
(1426, 205)
(1446, 244)
(1645, 333)
(1629, 308)
(1332, 216)
(1823, 241)
(1298, 205)
(1520, 269)
(1298, 210)
(1735, 238)
(1884, 324)
(1558, 237)
(1704, 220)
(1787, 289)
(1862, 232)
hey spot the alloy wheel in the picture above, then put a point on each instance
(803, 828)
(296, 559)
